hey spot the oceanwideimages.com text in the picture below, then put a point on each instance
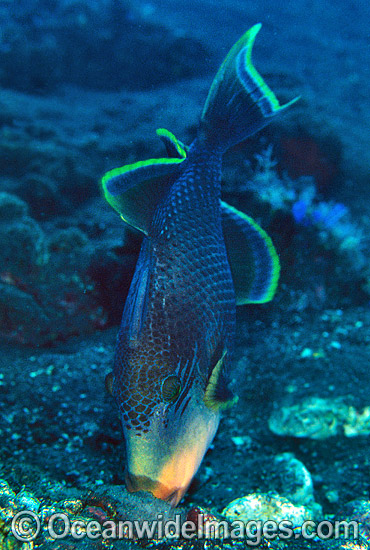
(27, 526)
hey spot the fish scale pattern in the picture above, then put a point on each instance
(190, 303)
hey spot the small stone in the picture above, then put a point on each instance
(242, 441)
(336, 345)
(73, 506)
(50, 369)
(332, 495)
(357, 422)
(8, 504)
(297, 479)
(28, 501)
(35, 373)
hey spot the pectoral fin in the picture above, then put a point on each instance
(217, 396)
(109, 383)
(254, 262)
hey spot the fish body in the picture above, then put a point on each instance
(199, 258)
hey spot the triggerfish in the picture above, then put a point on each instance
(199, 258)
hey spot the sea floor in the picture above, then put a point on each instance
(61, 436)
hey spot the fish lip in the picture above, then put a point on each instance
(133, 484)
(128, 482)
(175, 497)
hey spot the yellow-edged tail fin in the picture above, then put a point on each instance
(239, 102)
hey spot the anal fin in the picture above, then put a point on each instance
(253, 260)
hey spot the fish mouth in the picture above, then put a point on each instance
(165, 466)
(169, 478)
(156, 488)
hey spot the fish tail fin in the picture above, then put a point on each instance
(239, 102)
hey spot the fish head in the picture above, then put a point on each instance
(164, 457)
(168, 423)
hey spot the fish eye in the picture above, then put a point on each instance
(171, 388)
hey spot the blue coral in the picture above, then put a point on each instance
(300, 212)
(332, 220)
(328, 215)
(323, 214)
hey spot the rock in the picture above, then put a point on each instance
(22, 319)
(38, 53)
(314, 417)
(66, 240)
(267, 506)
(296, 481)
(357, 511)
(357, 422)
(26, 500)
(11, 207)
(22, 242)
(320, 418)
(8, 502)
(41, 194)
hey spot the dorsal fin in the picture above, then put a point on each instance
(135, 190)
(253, 260)
(174, 147)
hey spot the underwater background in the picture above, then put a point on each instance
(83, 86)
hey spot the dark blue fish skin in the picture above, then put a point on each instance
(189, 309)
(175, 345)
(178, 320)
